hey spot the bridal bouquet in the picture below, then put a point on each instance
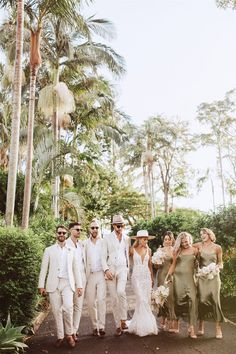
(208, 272)
(158, 297)
(158, 257)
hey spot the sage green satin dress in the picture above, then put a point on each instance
(209, 291)
(185, 291)
(168, 310)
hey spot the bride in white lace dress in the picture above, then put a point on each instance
(143, 322)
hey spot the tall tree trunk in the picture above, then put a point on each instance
(221, 173)
(166, 198)
(15, 126)
(35, 62)
(56, 179)
(28, 173)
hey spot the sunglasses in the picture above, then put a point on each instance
(119, 226)
(78, 230)
(61, 233)
(94, 227)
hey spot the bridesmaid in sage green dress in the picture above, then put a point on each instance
(183, 269)
(167, 312)
(209, 289)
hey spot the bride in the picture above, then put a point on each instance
(143, 322)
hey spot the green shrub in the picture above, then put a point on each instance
(45, 227)
(20, 258)
(228, 274)
(180, 220)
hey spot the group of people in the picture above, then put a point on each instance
(72, 269)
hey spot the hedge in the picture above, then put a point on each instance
(20, 259)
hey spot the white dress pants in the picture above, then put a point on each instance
(96, 298)
(118, 295)
(78, 305)
(62, 308)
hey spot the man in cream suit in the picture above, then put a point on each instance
(60, 267)
(75, 243)
(115, 262)
(96, 283)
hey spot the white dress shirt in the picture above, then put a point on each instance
(78, 247)
(63, 273)
(95, 255)
(121, 259)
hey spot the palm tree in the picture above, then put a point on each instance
(14, 146)
(39, 12)
(63, 54)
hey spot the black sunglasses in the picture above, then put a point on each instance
(78, 230)
(119, 226)
(94, 227)
(61, 233)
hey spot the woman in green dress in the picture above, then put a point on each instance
(167, 312)
(209, 289)
(183, 270)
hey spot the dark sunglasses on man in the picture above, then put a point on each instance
(119, 226)
(61, 232)
(78, 230)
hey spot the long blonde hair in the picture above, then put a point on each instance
(210, 233)
(179, 239)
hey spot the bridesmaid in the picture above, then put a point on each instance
(209, 289)
(167, 311)
(183, 267)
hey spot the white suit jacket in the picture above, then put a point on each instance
(71, 244)
(50, 269)
(109, 251)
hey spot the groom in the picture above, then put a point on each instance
(115, 263)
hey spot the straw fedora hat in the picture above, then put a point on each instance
(142, 233)
(118, 219)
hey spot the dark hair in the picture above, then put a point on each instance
(72, 224)
(61, 227)
(171, 236)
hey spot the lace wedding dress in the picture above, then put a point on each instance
(143, 322)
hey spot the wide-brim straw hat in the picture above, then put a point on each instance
(142, 233)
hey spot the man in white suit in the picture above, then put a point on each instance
(96, 283)
(115, 262)
(60, 268)
(74, 242)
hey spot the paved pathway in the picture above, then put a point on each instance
(164, 342)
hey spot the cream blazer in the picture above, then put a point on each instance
(50, 269)
(109, 251)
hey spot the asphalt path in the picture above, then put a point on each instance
(164, 342)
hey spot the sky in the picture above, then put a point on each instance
(178, 53)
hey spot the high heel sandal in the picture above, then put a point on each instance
(219, 334)
(191, 333)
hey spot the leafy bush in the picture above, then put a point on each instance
(228, 274)
(180, 220)
(11, 338)
(45, 226)
(20, 258)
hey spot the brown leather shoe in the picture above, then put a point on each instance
(118, 331)
(70, 341)
(75, 337)
(123, 325)
(102, 332)
(58, 343)
(95, 332)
